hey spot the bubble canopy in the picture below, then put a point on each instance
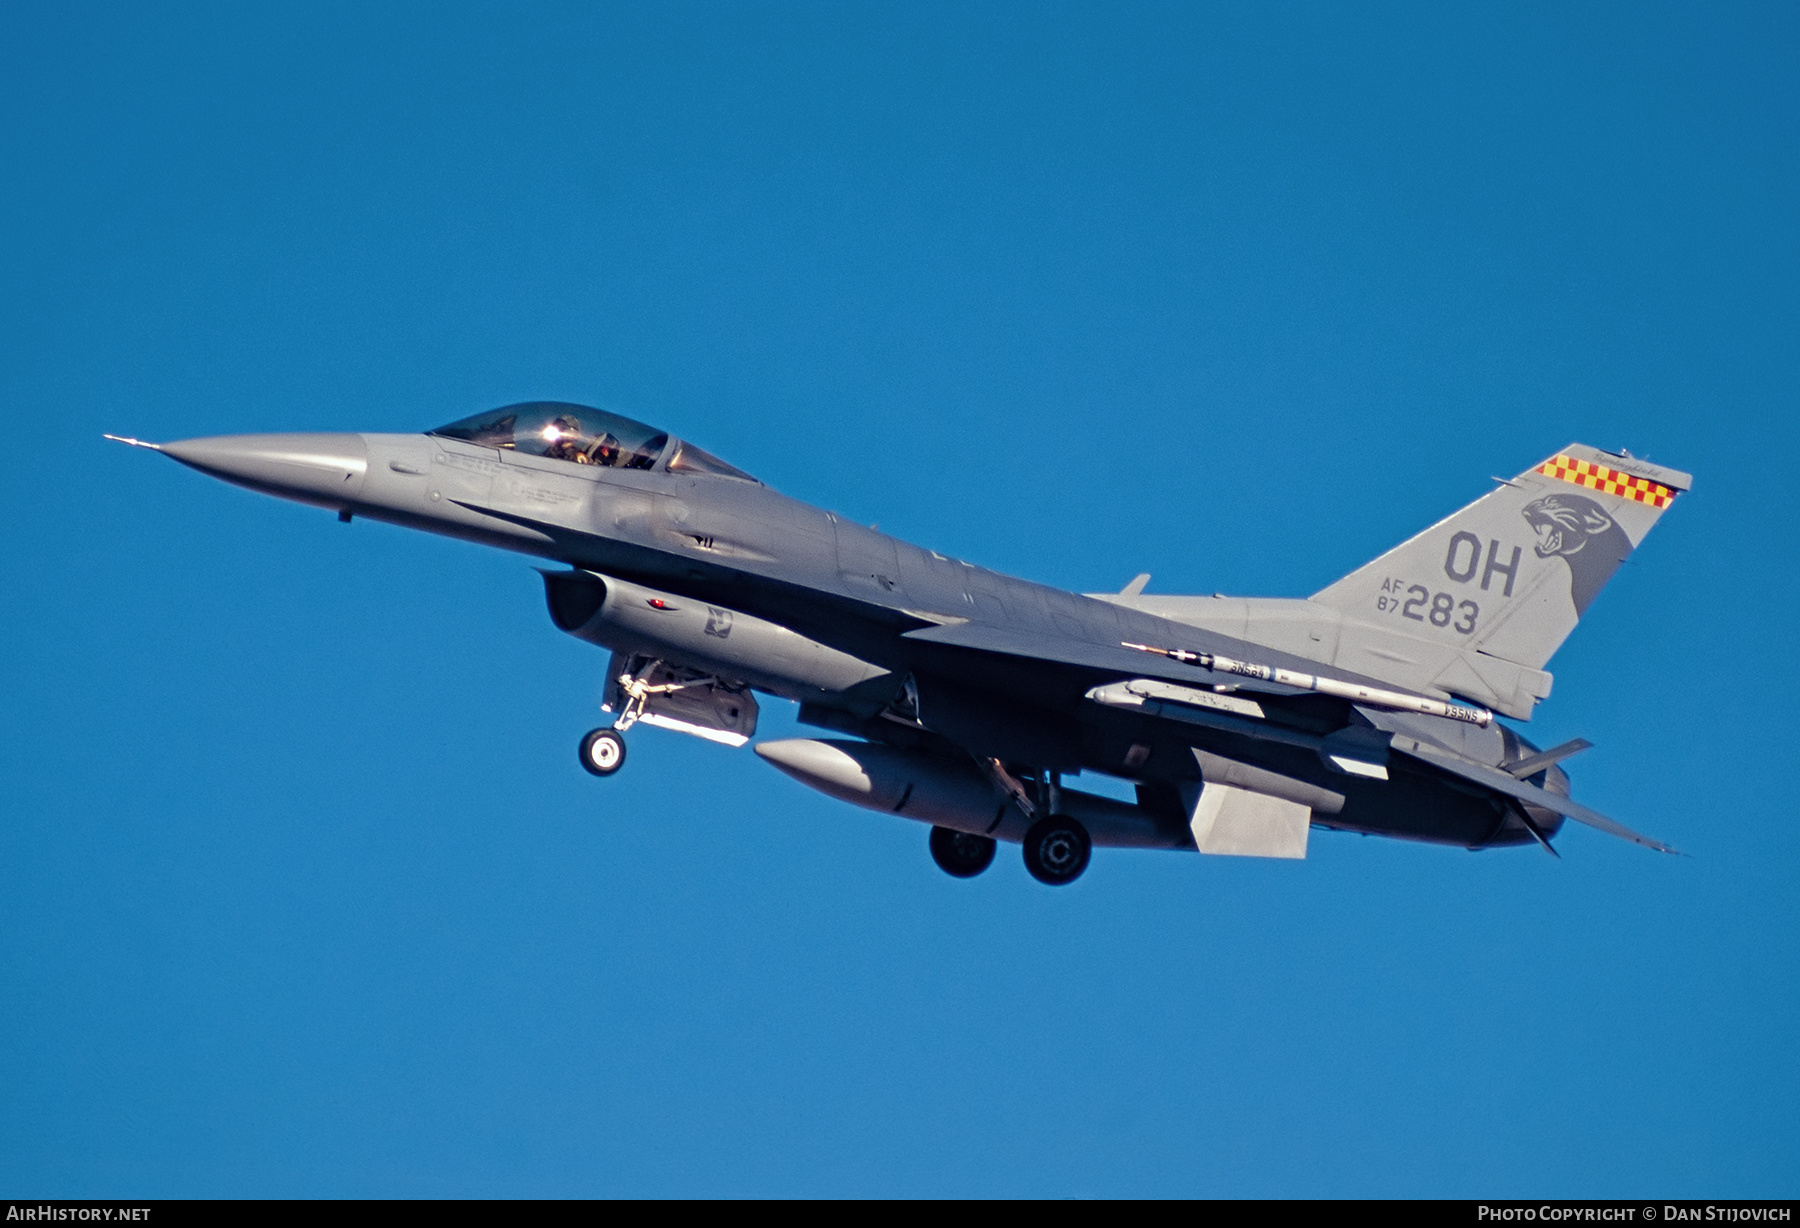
(584, 435)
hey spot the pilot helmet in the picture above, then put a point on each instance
(564, 427)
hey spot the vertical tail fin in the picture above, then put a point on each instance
(1511, 574)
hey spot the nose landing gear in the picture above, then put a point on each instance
(603, 751)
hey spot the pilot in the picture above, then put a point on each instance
(564, 435)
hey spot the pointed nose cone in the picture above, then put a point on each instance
(326, 469)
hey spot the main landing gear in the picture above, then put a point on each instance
(1057, 847)
(961, 854)
(1057, 850)
(603, 751)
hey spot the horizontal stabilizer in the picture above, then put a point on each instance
(1530, 765)
(1503, 782)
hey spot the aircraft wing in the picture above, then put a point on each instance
(806, 611)
(1091, 659)
(1503, 782)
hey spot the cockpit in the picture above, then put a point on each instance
(583, 435)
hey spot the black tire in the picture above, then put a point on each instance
(961, 854)
(1057, 850)
(603, 752)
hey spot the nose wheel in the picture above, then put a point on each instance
(603, 751)
(1057, 849)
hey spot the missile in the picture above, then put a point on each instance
(954, 793)
(1375, 697)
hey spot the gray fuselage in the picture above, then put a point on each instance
(928, 635)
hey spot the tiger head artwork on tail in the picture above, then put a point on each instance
(1580, 532)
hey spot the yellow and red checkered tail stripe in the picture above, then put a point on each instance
(1607, 481)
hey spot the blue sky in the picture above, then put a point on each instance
(301, 889)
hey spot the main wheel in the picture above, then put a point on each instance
(1057, 849)
(603, 751)
(960, 854)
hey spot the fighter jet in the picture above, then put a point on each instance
(965, 700)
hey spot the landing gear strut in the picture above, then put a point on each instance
(961, 854)
(1057, 849)
(603, 751)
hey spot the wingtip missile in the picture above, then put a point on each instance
(1375, 697)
